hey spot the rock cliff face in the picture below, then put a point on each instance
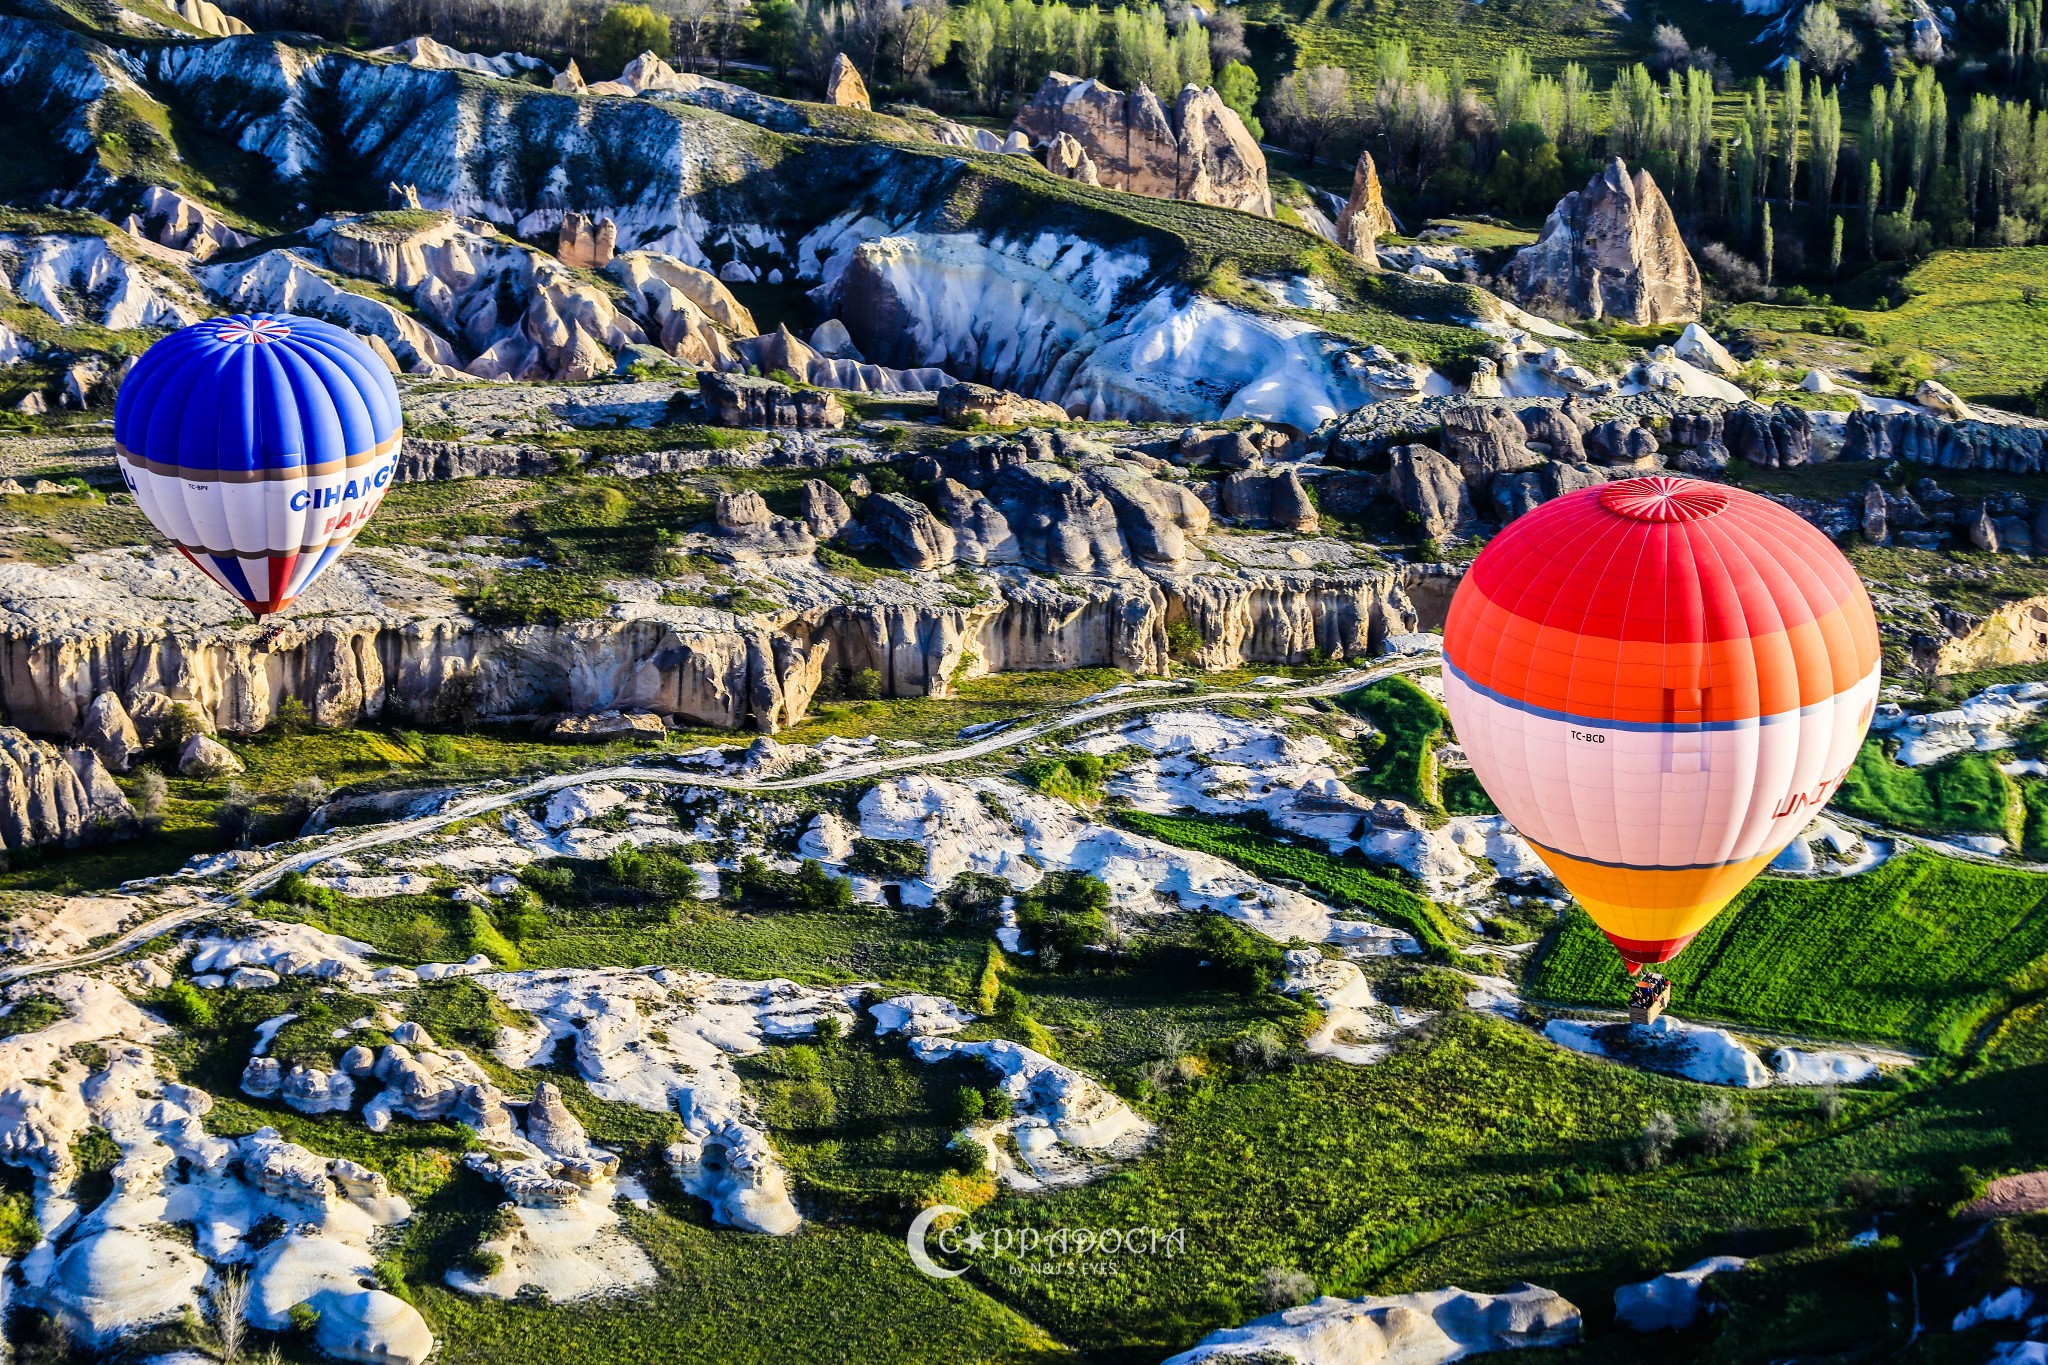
(147, 633)
(1610, 250)
(515, 312)
(1923, 439)
(1199, 150)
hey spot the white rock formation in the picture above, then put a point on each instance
(1404, 1329)
(1144, 876)
(1067, 1128)
(664, 1040)
(918, 1016)
(1670, 1302)
(78, 278)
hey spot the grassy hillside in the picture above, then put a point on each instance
(1920, 951)
(1981, 315)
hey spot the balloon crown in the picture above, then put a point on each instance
(247, 330)
(1659, 497)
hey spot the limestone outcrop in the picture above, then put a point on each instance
(745, 527)
(1365, 218)
(182, 223)
(738, 400)
(52, 797)
(844, 87)
(1430, 487)
(1400, 1329)
(1271, 497)
(109, 731)
(980, 405)
(905, 528)
(511, 312)
(1068, 159)
(1610, 250)
(1199, 149)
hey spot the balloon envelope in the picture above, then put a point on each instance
(259, 445)
(1660, 682)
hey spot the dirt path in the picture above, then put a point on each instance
(483, 803)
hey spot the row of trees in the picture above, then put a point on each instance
(1775, 169)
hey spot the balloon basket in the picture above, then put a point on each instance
(1650, 998)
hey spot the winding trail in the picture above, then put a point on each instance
(483, 803)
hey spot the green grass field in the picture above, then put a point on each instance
(1919, 951)
(1345, 885)
(1403, 765)
(1963, 794)
(1340, 1172)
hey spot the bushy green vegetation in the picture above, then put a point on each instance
(1921, 950)
(1965, 793)
(1403, 763)
(539, 597)
(1066, 913)
(1071, 777)
(1346, 885)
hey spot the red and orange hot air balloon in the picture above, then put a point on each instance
(1660, 682)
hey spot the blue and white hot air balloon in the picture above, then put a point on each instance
(259, 445)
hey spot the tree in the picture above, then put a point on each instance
(230, 1302)
(976, 31)
(1237, 85)
(1822, 41)
(1835, 251)
(625, 32)
(690, 25)
(1310, 107)
(775, 35)
(151, 791)
(924, 39)
(1066, 912)
(1226, 39)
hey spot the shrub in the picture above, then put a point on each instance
(187, 1005)
(1183, 641)
(967, 1106)
(1659, 1136)
(181, 724)
(1249, 963)
(305, 1317)
(539, 597)
(1724, 1126)
(759, 886)
(887, 858)
(1429, 989)
(864, 684)
(292, 717)
(969, 1156)
(1282, 1287)
(1067, 912)
(1070, 777)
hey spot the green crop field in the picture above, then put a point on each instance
(1921, 951)
(1963, 794)
(1346, 885)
